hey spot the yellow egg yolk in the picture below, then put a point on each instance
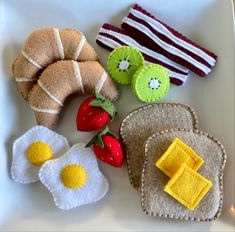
(73, 176)
(38, 153)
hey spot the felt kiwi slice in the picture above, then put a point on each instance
(150, 83)
(123, 63)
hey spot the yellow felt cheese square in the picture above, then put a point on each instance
(188, 187)
(177, 154)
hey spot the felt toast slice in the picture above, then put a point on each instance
(156, 202)
(142, 123)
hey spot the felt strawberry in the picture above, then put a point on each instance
(107, 148)
(94, 113)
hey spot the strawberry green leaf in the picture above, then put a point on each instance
(95, 140)
(105, 104)
(99, 96)
(106, 131)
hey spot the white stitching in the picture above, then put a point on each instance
(53, 97)
(25, 79)
(59, 43)
(49, 111)
(101, 81)
(31, 60)
(77, 74)
(79, 48)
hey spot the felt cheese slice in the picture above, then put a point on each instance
(177, 154)
(156, 202)
(188, 187)
(142, 123)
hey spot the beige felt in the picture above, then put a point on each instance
(39, 99)
(48, 120)
(41, 46)
(25, 87)
(21, 68)
(71, 39)
(59, 79)
(156, 202)
(145, 121)
(91, 76)
(110, 89)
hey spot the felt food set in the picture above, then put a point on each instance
(177, 168)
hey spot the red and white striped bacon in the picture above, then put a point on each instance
(143, 26)
(111, 37)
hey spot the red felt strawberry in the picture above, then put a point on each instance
(94, 113)
(107, 148)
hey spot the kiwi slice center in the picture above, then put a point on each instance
(154, 83)
(124, 65)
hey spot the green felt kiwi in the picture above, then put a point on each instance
(150, 83)
(123, 63)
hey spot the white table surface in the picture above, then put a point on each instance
(30, 207)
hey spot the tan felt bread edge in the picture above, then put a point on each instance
(193, 113)
(150, 213)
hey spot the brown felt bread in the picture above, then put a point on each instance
(62, 79)
(143, 122)
(45, 46)
(156, 202)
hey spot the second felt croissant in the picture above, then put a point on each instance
(62, 79)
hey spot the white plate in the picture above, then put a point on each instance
(30, 207)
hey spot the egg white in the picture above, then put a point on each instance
(94, 189)
(22, 171)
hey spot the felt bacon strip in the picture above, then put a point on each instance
(111, 37)
(143, 26)
(63, 79)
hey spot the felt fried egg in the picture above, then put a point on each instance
(74, 179)
(33, 149)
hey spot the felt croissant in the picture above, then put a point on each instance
(46, 46)
(62, 79)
